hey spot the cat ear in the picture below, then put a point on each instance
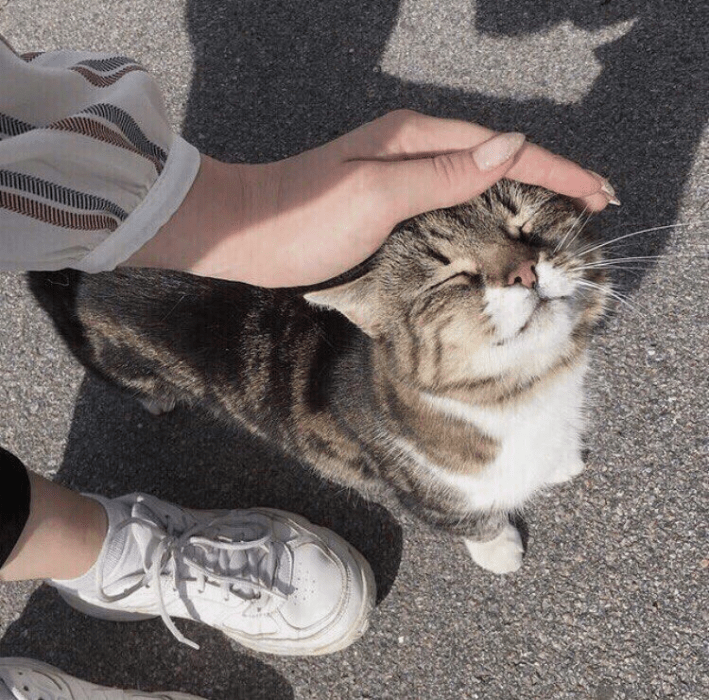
(357, 300)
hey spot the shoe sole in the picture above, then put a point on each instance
(102, 613)
(86, 688)
(359, 628)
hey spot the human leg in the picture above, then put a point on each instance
(268, 579)
(57, 533)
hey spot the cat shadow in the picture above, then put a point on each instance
(115, 447)
(272, 79)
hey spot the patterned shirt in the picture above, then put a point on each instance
(89, 166)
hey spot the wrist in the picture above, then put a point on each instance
(201, 237)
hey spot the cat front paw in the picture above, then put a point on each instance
(503, 555)
(157, 407)
(571, 468)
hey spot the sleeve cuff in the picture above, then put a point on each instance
(161, 202)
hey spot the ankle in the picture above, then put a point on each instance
(63, 536)
(89, 533)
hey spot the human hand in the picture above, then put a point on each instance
(311, 217)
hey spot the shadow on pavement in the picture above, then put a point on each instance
(273, 79)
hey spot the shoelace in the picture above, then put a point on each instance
(172, 549)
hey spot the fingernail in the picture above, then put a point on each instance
(497, 150)
(607, 189)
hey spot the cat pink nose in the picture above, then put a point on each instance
(523, 274)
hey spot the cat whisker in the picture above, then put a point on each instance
(636, 268)
(614, 267)
(611, 262)
(685, 244)
(579, 230)
(613, 294)
(560, 244)
(636, 233)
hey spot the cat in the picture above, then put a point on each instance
(449, 367)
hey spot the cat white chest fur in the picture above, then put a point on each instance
(540, 442)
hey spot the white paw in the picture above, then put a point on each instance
(157, 406)
(571, 468)
(502, 555)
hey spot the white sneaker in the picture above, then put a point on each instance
(26, 679)
(268, 579)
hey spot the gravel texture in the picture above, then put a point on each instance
(611, 603)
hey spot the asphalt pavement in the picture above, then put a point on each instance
(612, 601)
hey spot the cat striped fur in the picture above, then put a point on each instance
(448, 368)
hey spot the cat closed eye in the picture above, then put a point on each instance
(472, 279)
(459, 279)
(438, 256)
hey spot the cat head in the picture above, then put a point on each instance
(504, 286)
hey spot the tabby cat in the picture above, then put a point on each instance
(449, 367)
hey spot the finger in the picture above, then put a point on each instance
(537, 166)
(592, 203)
(422, 184)
(404, 133)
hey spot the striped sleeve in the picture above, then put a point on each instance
(90, 168)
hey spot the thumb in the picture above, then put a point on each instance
(443, 180)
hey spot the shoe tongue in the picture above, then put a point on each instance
(118, 543)
(255, 563)
(131, 546)
(267, 565)
(146, 538)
